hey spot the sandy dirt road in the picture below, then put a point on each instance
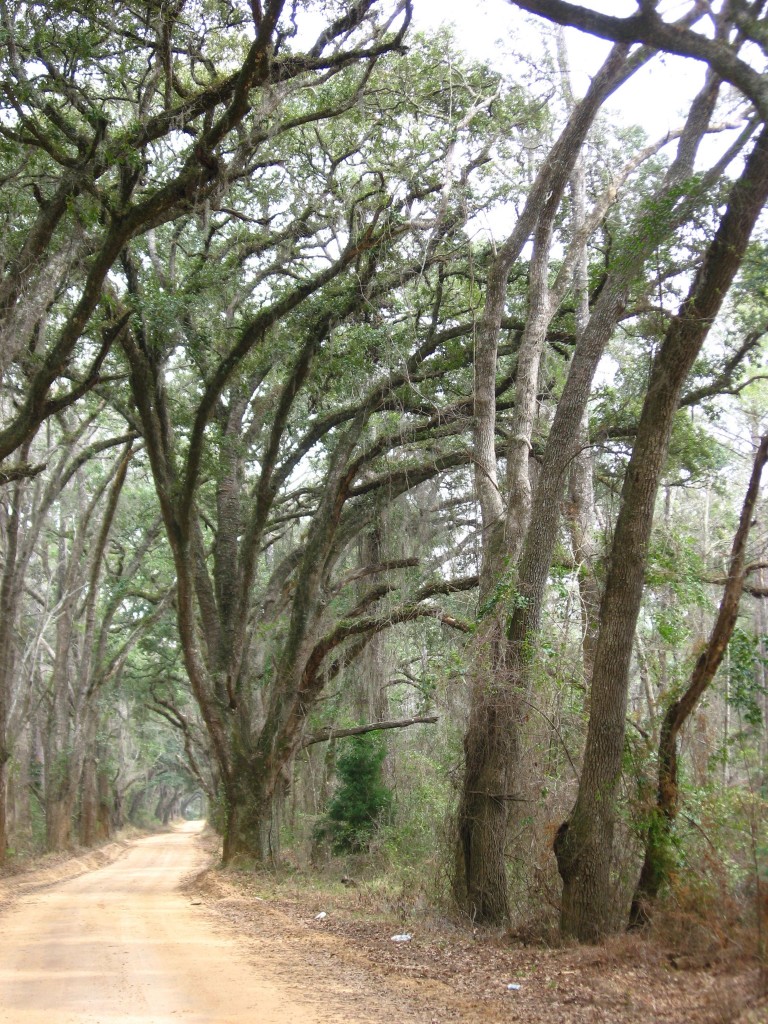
(130, 943)
(123, 945)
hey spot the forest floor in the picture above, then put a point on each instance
(146, 932)
(444, 973)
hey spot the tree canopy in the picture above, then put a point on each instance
(295, 447)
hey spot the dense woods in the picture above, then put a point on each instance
(382, 437)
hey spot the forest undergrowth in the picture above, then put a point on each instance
(695, 965)
(702, 960)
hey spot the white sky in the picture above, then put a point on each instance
(654, 97)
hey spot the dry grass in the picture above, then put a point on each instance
(680, 975)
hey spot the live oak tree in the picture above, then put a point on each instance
(584, 842)
(115, 122)
(656, 862)
(492, 746)
(279, 410)
(521, 529)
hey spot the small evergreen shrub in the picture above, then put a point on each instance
(362, 798)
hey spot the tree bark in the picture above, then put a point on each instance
(491, 755)
(491, 742)
(89, 803)
(562, 446)
(59, 810)
(11, 583)
(580, 500)
(584, 844)
(95, 823)
(656, 863)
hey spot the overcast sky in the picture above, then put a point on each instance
(654, 97)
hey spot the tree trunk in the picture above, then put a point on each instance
(656, 865)
(580, 505)
(106, 806)
(10, 592)
(58, 822)
(373, 666)
(492, 743)
(62, 766)
(95, 804)
(137, 804)
(584, 844)
(490, 754)
(88, 804)
(117, 816)
(18, 791)
(252, 819)
(3, 805)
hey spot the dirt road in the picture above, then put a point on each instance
(123, 945)
(128, 943)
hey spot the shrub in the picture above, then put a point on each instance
(362, 798)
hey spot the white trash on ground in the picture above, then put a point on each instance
(402, 938)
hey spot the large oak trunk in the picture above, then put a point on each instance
(584, 845)
(657, 863)
(3, 810)
(490, 755)
(252, 816)
(95, 804)
(58, 823)
(490, 758)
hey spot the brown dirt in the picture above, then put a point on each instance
(446, 974)
(153, 938)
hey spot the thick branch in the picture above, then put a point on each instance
(647, 27)
(330, 733)
(24, 472)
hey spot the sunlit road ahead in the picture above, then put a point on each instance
(122, 945)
